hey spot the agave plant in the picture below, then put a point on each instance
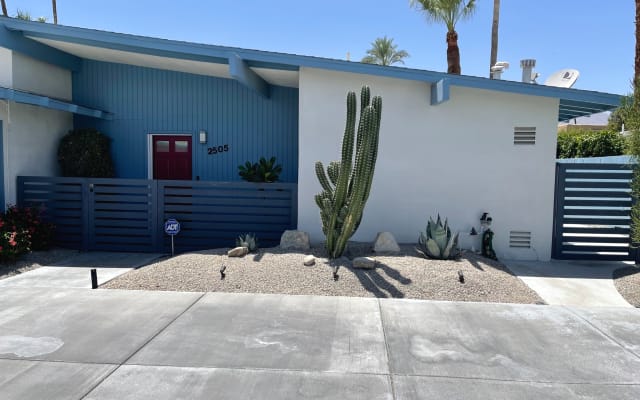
(438, 241)
(247, 240)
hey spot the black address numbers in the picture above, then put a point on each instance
(218, 149)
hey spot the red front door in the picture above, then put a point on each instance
(172, 157)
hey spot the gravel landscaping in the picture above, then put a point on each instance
(627, 281)
(273, 270)
(33, 260)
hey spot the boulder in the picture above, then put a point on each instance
(309, 260)
(238, 252)
(385, 243)
(295, 240)
(364, 263)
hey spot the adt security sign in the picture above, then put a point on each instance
(172, 227)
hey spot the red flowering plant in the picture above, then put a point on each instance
(22, 229)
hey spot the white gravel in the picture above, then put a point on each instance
(273, 270)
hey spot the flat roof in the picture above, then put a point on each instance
(66, 46)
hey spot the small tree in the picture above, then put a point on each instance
(85, 153)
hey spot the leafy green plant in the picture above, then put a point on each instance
(85, 153)
(247, 240)
(262, 171)
(583, 143)
(346, 189)
(438, 241)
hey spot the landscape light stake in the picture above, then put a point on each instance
(222, 274)
(94, 279)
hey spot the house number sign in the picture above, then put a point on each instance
(217, 149)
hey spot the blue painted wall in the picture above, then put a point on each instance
(146, 100)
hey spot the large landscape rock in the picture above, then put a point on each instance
(309, 260)
(364, 263)
(295, 240)
(385, 243)
(238, 252)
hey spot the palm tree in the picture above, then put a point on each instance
(384, 52)
(494, 35)
(55, 12)
(448, 12)
(4, 8)
(24, 15)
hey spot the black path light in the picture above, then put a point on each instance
(94, 278)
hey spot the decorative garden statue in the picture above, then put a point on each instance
(487, 245)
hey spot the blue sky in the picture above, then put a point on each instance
(593, 36)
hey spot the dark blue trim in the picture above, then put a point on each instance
(54, 104)
(220, 54)
(16, 42)
(439, 92)
(240, 71)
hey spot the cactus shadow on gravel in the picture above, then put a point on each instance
(381, 286)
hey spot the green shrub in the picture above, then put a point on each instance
(21, 230)
(577, 144)
(85, 153)
(262, 171)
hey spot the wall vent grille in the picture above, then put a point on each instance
(520, 239)
(524, 135)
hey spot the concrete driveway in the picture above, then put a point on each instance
(572, 283)
(105, 344)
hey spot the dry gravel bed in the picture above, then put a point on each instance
(627, 281)
(273, 270)
(33, 260)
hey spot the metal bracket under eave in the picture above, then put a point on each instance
(439, 92)
(240, 71)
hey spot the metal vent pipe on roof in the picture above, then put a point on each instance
(527, 70)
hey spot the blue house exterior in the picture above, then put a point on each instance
(449, 143)
(151, 101)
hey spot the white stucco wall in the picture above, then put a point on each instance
(41, 78)
(31, 143)
(457, 159)
(31, 134)
(6, 68)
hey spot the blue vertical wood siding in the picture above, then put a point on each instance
(146, 100)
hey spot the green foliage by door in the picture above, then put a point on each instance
(346, 183)
(85, 153)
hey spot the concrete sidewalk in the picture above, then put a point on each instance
(105, 344)
(75, 271)
(572, 283)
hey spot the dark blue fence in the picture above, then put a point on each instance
(592, 212)
(129, 214)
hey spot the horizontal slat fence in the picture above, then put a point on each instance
(129, 214)
(592, 212)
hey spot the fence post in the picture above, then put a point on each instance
(20, 194)
(558, 208)
(158, 232)
(86, 213)
(294, 206)
(154, 205)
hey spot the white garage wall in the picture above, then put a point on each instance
(31, 143)
(41, 78)
(6, 68)
(457, 159)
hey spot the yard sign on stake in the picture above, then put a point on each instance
(172, 228)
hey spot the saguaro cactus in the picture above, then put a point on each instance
(347, 183)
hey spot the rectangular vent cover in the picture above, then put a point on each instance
(520, 239)
(524, 135)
